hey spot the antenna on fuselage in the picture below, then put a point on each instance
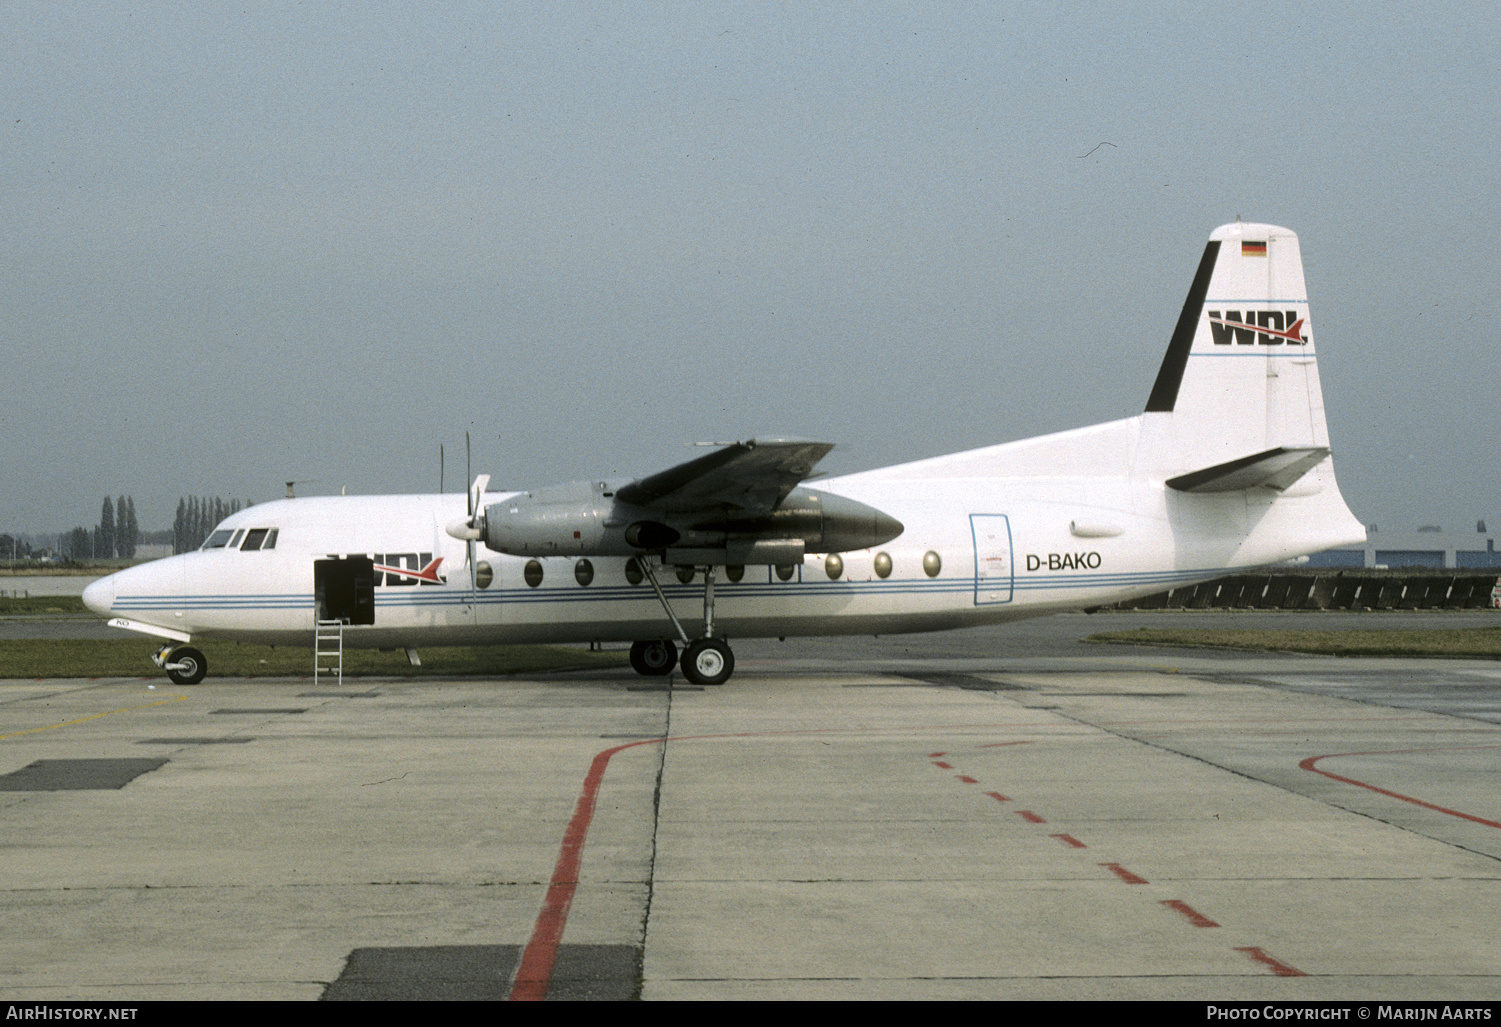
(300, 481)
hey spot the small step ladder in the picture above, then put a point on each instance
(328, 644)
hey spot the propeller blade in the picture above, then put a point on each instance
(476, 491)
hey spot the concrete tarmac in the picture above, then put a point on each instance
(992, 814)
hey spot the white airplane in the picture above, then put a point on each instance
(1228, 467)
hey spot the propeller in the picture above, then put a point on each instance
(472, 528)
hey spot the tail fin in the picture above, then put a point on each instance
(1239, 386)
(1237, 407)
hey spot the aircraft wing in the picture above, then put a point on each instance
(751, 476)
(739, 504)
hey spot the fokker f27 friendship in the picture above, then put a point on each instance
(1228, 466)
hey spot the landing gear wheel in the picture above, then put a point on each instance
(653, 658)
(186, 666)
(708, 661)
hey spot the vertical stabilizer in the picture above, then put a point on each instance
(1240, 376)
(1234, 427)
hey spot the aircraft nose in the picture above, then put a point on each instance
(100, 595)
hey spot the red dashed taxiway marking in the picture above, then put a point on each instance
(1190, 914)
(1193, 916)
(1123, 873)
(1277, 967)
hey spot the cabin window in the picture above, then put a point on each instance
(219, 539)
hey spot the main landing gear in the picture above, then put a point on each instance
(655, 658)
(184, 664)
(706, 660)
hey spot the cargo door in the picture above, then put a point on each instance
(345, 589)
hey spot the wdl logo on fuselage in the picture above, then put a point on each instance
(407, 569)
(1257, 328)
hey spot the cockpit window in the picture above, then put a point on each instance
(242, 539)
(259, 538)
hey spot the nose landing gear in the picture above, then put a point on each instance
(184, 664)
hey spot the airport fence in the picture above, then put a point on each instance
(1327, 590)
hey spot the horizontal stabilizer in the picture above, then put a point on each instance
(1276, 468)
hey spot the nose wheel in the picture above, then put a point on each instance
(184, 664)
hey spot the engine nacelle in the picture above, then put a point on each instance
(567, 519)
(585, 519)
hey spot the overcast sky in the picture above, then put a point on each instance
(246, 243)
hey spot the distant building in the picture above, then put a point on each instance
(1427, 547)
(154, 551)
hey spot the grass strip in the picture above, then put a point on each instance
(83, 658)
(1449, 643)
(23, 606)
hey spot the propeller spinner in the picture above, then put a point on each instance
(472, 527)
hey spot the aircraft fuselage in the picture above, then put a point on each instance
(972, 552)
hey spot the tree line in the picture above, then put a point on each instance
(118, 534)
(196, 517)
(115, 536)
